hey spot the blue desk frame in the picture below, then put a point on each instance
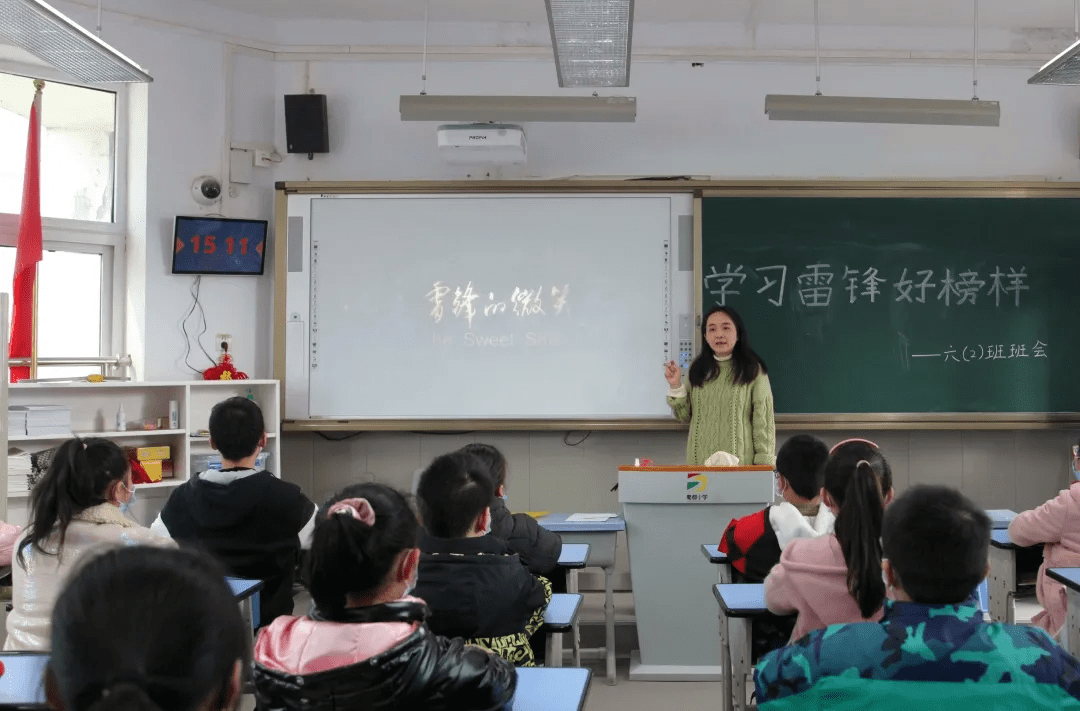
(712, 552)
(561, 615)
(246, 593)
(739, 605)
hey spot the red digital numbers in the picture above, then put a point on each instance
(208, 245)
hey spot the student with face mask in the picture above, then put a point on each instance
(1057, 524)
(145, 629)
(365, 644)
(77, 506)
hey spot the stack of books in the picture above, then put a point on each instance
(16, 421)
(48, 420)
(18, 471)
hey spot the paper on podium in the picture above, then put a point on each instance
(589, 517)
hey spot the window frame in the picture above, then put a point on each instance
(104, 238)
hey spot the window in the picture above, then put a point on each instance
(81, 148)
(77, 145)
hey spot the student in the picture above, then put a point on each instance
(475, 586)
(931, 649)
(255, 523)
(837, 578)
(1057, 524)
(538, 548)
(77, 505)
(729, 404)
(145, 629)
(365, 645)
(754, 543)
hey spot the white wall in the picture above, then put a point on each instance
(703, 121)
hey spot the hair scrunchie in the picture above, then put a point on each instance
(359, 509)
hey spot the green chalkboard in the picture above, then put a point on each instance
(903, 305)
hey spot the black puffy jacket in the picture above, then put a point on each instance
(538, 548)
(424, 671)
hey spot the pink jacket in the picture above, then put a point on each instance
(300, 645)
(811, 579)
(1057, 524)
(9, 533)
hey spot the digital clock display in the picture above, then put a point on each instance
(218, 245)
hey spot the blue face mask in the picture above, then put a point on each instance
(1075, 473)
(126, 506)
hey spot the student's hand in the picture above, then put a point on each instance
(673, 374)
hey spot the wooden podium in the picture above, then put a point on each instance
(670, 512)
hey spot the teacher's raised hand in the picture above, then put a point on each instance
(673, 374)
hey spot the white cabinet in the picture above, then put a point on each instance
(93, 414)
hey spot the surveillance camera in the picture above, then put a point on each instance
(206, 190)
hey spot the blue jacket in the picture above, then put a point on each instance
(959, 662)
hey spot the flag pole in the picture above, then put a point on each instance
(38, 86)
(33, 331)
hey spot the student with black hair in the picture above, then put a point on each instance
(145, 629)
(729, 403)
(253, 522)
(538, 548)
(837, 578)
(754, 543)
(365, 644)
(77, 506)
(475, 586)
(931, 649)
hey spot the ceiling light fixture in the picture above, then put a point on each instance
(49, 35)
(1063, 69)
(860, 109)
(511, 109)
(518, 109)
(592, 41)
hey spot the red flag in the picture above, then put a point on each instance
(28, 253)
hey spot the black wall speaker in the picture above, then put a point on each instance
(306, 128)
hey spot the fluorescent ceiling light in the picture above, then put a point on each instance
(860, 109)
(592, 41)
(52, 37)
(1062, 69)
(518, 109)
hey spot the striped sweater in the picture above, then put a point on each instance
(725, 417)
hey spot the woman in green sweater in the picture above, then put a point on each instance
(729, 403)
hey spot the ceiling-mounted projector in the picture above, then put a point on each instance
(483, 143)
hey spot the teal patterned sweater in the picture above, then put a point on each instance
(724, 417)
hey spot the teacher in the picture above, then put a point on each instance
(729, 402)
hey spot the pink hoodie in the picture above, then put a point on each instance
(1057, 524)
(811, 579)
(9, 533)
(300, 645)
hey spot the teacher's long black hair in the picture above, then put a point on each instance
(746, 365)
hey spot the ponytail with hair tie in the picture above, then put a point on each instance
(858, 478)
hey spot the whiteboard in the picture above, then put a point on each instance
(513, 306)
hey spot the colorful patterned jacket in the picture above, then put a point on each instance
(921, 657)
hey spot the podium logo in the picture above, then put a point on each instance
(696, 483)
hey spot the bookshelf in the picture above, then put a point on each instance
(93, 414)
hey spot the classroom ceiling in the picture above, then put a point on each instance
(1007, 14)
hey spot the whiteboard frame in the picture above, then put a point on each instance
(698, 189)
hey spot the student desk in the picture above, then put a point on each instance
(22, 685)
(1000, 518)
(560, 616)
(246, 593)
(1070, 578)
(602, 538)
(1003, 573)
(712, 552)
(572, 558)
(543, 689)
(739, 604)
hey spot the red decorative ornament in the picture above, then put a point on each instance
(224, 370)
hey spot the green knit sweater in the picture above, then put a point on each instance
(724, 417)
